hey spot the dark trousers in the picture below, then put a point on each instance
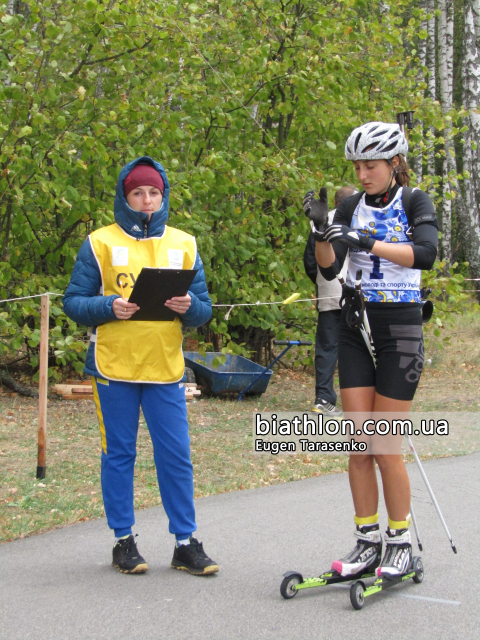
(326, 353)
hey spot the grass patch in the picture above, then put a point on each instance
(451, 381)
(221, 441)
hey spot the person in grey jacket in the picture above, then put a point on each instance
(328, 321)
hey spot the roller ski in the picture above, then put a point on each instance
(360, 564)
(397, 565)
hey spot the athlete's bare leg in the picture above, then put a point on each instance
(363, 481)
(396, 484)
(361, 468)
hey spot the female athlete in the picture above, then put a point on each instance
(391, 243)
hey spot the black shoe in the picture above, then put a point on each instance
(126, 557)
(191, 557)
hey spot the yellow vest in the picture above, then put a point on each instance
(139, 351)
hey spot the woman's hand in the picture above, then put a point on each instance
(180, 304)
(123, 309)
(353, 239)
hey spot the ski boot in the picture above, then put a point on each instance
(365, 557)
(397, 565)
(398, 553)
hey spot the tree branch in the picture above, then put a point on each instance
(14, 386)
(65, 235)
(84, 62)
(31, 226)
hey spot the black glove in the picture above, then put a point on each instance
(317, 211)
(348, 236)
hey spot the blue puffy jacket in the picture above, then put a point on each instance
(83, 302)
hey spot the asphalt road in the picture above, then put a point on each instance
(60, 585)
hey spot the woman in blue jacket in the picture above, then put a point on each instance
(140, 364)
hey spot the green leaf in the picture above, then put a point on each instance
(25, 131)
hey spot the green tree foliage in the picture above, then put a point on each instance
(247, 105)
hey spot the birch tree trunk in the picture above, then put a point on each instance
(475, 8)
(470, 222)
(445, 69)
(416, 159)
(431, 78)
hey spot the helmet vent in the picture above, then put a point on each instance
(390, 147)
(355, 147)
(379, 133)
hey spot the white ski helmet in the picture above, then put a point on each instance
(376, 141)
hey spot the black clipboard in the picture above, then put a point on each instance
(154, 287)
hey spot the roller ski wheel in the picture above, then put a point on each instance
(417, 566)
(359, 590)
(289, 583)
(357, 597)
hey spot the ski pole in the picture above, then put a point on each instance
(415, 526)
(429, 489)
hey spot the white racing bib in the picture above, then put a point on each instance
(175, 258)
(120, 256)
(383, 281)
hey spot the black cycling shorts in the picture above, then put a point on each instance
(398, 339)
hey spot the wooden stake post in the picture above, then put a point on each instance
(42, 388)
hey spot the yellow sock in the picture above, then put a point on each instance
(369, 520)
(400, 524)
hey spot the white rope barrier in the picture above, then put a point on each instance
(237, 304)
(39, 295)
(244, 304)
(231, 306)
(258, 303)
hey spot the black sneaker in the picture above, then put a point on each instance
(126, 557)
(327, 408)
(191, 557)
(366, 555)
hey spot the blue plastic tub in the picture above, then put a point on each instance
(232, 377)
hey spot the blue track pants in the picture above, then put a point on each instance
(165, 411)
